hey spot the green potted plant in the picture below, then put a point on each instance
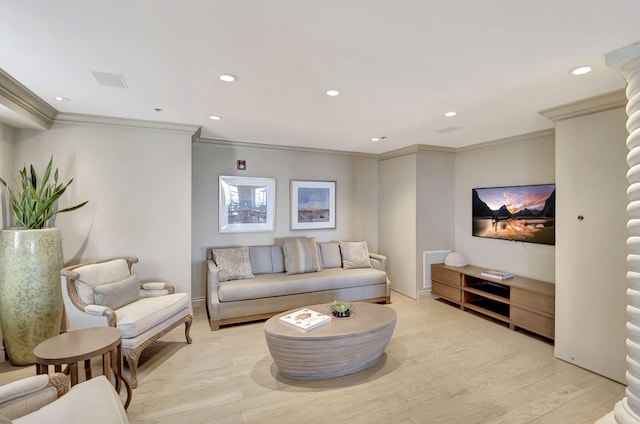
(340, 309)
(30, 263)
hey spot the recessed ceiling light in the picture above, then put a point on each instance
(581, 70)
(375, 139)
(61, 99)
(333, 92)
(215, 117)
(228, 77)
(450, 114)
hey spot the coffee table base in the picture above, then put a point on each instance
(319, 354)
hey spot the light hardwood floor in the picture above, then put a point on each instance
(441, 366)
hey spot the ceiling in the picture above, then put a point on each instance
(400, 65)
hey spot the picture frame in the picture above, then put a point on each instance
(246, 204)
(313, 204)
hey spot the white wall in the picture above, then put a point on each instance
(398, 188)
(591, 253)
(356, 179)
(525, 160)
(138, 183)
(435, 205)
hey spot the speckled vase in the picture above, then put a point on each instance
(30, 293)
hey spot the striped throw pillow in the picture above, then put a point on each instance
(301, 255)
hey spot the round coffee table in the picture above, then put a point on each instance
(81, 345)
(340, 347)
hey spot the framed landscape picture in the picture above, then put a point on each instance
(246, 204)
(313, 205)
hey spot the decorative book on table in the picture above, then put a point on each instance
(304, 320)
(494, 273)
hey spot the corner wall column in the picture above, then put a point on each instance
(627, 61)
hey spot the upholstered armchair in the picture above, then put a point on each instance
(48, 399)
(108, 293)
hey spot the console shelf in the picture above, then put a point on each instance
(519, 301)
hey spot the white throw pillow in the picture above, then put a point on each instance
(119, 293)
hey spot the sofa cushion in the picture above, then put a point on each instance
(300, 255)
(355, 254)
(136, 318)
(95, 274)
(233, 263)
(261, 260)
(330, 252)
(270, 285)
(119, 293)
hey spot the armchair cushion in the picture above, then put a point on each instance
(119, 293)
(138, 317)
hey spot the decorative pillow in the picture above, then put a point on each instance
(301, 255)
(355, 254)
(116, 295)
(330, 253)
(233, 263)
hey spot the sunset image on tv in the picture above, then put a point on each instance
(518, 213)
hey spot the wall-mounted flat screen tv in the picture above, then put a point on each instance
(518, 213)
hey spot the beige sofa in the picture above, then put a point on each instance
(47, 399)
(251, 283)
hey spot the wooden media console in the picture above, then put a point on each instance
(518, 301)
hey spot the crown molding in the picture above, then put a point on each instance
(409, 150)
(595, 104)
(551, 132)
(244, 144)
(77, 118)
(24, 102)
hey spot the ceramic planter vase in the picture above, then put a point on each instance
(30, 294)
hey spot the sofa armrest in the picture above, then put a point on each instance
(213, 285)
(378, 261)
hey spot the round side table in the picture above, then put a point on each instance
(81, 345)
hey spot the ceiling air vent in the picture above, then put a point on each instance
(448, 129)
(108, 79)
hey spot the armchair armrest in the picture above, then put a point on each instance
(378, 261)
(30, 394)
(153, 288)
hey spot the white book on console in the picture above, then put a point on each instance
(494, 273)
(304, 319)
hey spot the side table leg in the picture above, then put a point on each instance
(87, 368)
(73, 369)
(42, 369)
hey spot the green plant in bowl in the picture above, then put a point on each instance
(340, 309)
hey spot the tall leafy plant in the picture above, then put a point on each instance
(33, 202)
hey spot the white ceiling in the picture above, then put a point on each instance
(399, 64)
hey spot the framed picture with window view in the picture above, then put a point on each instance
(246, 204)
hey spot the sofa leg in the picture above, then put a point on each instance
(187, 328)
(214, 325)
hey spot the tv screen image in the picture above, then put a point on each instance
(518, 213)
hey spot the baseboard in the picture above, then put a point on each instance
(424, 294)
(198, 302)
